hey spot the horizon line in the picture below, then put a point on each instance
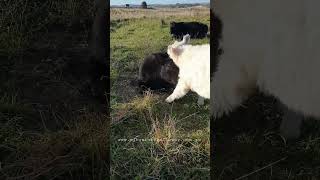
(160, 4)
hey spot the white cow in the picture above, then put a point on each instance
(194, 69)
(274, 45)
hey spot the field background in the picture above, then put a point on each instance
(136, 33)
(51, 126)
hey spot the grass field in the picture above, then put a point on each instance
(50, 125)
(130, 13)
(151, 139)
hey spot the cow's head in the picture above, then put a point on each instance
(172, 24)
(175, 50)
(185, 40)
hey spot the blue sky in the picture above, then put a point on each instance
(122, 2)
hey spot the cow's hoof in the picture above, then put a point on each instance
(169, 99)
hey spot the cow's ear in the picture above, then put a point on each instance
(186, 39)
(173, 50)
(174, 53)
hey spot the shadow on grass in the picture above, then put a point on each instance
(248, 145)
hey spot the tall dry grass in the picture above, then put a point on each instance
(123, 13)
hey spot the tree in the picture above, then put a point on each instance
(144, 5)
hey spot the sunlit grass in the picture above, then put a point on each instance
(151, 138)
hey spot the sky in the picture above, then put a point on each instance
(138, 2)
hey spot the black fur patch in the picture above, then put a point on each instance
(194, 29)
(158, 72)
(216, 25)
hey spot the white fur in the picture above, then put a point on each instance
(194, 69)
(272, 44)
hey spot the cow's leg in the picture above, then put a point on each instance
(291, 122)
(229, 87)
(180, 90)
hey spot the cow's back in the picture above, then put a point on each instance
(279, 38)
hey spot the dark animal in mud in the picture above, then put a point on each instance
(158, 72)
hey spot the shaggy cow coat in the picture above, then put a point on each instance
(194, 29)
(158, 72)
(194, 65)
(272, 45)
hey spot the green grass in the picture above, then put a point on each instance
(172, 140)
(48, 132)
(29, 150)
(22, 22)
(48, 128)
